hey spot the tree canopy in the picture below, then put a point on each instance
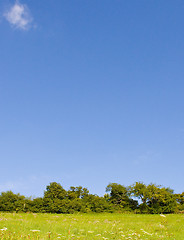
(138, 198)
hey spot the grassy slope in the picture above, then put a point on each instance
(91, 226)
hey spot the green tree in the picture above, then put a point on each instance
(55, 190)
(154, 198)
(77, 192)
(120, 196)
(12, 202)
(36, 205)
(180, 201)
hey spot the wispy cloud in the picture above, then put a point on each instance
(145, 158)
(19, 16)
(31, 185)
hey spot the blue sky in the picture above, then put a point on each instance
(91, 92)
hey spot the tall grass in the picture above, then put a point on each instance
(90, 226)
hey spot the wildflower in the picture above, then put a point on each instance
(4, 229)
(90, 231)
(162, 215)
(146, 232)
(34, 230)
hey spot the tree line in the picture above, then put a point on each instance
(137, 198)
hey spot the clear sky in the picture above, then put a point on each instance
(91, 92)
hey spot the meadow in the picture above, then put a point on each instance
(90, 226)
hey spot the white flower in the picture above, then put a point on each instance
(4, 229)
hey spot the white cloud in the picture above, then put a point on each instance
(19, 16)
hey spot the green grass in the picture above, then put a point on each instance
(90, 226)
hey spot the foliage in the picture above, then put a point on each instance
(138, 198)
(10, 202)
(180, 201)
(155, 199)
(54, 190)
(120, 197)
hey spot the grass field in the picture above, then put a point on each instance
(90, 226)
